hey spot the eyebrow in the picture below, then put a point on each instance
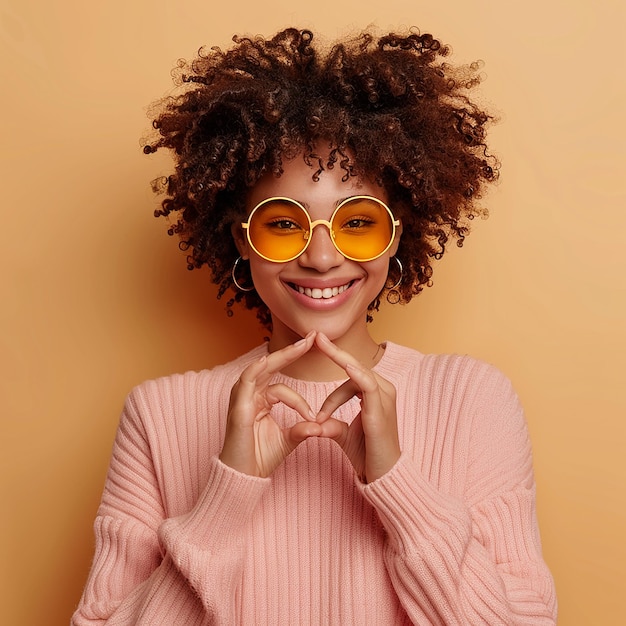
(307, 206)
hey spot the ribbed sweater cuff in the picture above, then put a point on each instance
(224, 508)
(414, 513)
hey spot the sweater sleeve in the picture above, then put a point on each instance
(474, 559)
(152, 570)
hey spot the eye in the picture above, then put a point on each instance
(284, 224)
(357, 222)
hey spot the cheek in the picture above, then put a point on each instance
(378, 270)
(264, 274)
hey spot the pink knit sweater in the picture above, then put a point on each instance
(448, 536)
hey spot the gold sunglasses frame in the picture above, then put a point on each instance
(328, 223)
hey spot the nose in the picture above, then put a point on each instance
(321, 253)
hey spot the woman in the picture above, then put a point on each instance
(322, 478)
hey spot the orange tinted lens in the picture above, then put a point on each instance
(363, 228)
(278, 229)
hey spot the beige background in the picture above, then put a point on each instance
(95, 297)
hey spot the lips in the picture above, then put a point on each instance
(318, 293)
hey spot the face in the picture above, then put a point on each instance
(321, 289)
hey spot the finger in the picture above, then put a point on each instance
(301, 431)
(336, 398)
(351, 440)
(291, 398)
(259, 372)
(365, 378)
(363, 383)
(333, 352)
(334, 429)
(287, 355)
(252, 372)
(243, 409)
(373, 406)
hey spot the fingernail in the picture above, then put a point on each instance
(300, 342)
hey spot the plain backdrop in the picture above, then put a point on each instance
(96, 298)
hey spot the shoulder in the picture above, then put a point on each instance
(451, 377)
(450, 369)
(474, 403)
(177, 393)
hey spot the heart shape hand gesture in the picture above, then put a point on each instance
(254, 443)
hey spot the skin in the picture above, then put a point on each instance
(314, 340)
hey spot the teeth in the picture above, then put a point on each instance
(316, 294)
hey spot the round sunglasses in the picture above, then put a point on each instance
(362, 228)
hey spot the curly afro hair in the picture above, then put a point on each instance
(388, 108)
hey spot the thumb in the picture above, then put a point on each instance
(299, 432)
(332, 428)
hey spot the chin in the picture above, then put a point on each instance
(331, 329)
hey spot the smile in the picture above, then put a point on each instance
(318, 294)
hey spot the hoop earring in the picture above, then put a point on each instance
(232, 273)
(397, 283)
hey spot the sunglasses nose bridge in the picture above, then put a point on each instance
(316, 223)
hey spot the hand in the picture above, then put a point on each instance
(370, 441)
(254, 443)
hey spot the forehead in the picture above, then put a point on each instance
(317, 195)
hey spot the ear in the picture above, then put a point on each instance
(396, 241)
(240, 239)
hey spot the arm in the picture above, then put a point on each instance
(477, 559)
(469, 558)
(453, 565)
(151, 570)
